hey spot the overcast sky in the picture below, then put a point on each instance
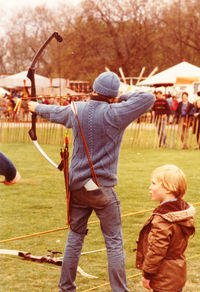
(7, 5)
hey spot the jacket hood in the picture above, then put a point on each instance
(180, 212)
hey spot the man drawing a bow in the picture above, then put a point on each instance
(103, 121)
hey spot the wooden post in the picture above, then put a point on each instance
(122, 75)
(140, 76)
(153, 72)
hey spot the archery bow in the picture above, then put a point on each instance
(50, 258)
(31, 76)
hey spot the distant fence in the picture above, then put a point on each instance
(144, 132)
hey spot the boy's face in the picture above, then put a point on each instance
(157, 192)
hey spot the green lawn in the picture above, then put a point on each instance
(38, 203)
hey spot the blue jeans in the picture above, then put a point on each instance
(110, 222)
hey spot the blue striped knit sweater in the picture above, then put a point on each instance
(103, 125)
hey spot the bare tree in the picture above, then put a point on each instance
(117, 33)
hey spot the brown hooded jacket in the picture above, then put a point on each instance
(161, 245)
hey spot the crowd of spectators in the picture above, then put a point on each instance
(13, 107)
(166, 109)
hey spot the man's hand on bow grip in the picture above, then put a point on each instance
(32, 106)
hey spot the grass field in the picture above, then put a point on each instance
(38, 203)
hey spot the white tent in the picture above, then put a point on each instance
(124, 88)
(3, 91)
(59, 82)
(56, 91)
(21, 80)
(182, 73)
(59, 87)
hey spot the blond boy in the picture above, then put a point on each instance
(164, 237)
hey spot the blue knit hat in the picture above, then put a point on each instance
(107, 84)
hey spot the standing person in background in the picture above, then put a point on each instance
(161, 111)
(8, 170)
(174, 105)
(103, 120)
(184, 114)
(164, 237)
(197, 119)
